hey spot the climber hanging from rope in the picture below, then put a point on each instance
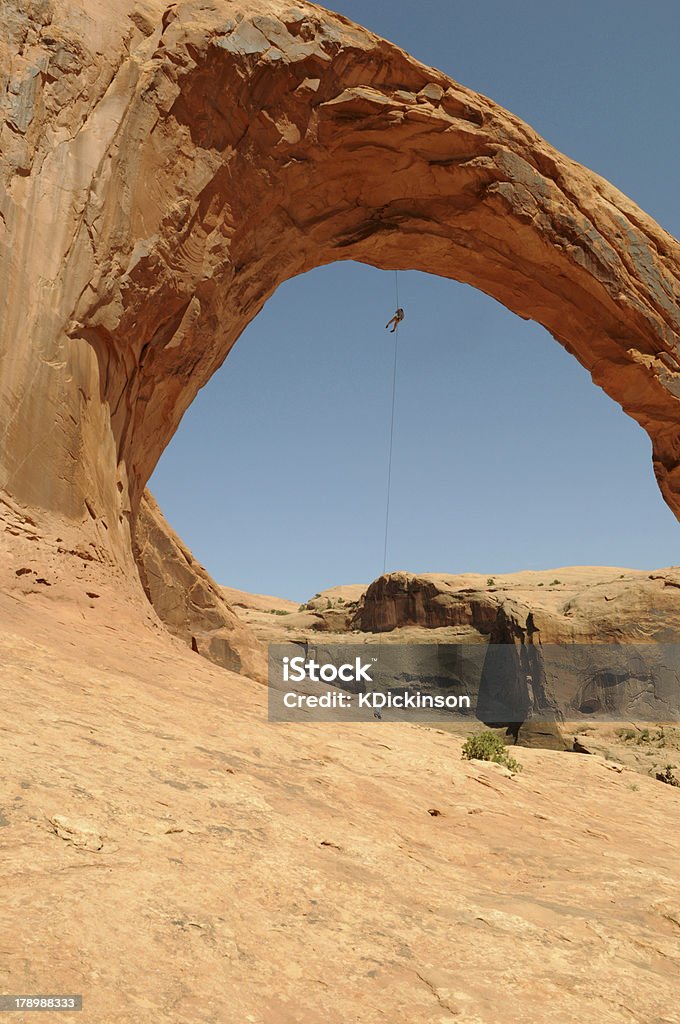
(396, 320)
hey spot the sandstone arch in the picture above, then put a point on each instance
(166, 167)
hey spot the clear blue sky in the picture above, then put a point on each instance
(506, 455)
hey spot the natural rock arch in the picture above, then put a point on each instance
(167, 169)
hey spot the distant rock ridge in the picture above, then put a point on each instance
(586, 604)
(567, 644)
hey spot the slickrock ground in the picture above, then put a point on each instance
(173, 857)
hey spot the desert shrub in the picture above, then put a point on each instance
(644, 735)
(626, 734)
(487, 746)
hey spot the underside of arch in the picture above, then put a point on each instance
(156, 196)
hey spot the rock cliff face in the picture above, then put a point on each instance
(575, 644)
(188, 600)
(576, 641)
(576, 604)
(165, 167)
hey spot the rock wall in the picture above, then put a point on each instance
(566, 644)
(165, 167)
(574, 604)
(188, 600)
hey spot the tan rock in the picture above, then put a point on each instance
(495, 767)
(83, 834)
(585, 604)
(187, 599)
(242, 599)
(234, 839)
(578, 641)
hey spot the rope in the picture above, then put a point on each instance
(391, 445)
(377, 714)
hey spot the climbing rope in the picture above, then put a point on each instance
(394, 322)
(398, 320)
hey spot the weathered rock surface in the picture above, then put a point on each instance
(164, 168)
(574, 604)
(294, 874)
(83, 834)
(187, 599)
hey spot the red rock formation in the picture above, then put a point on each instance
(165, 169)
(574, 604)
(188, 600)
(590, 639)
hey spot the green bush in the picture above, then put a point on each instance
(643, 735)
(626, 734)
(487, 746)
